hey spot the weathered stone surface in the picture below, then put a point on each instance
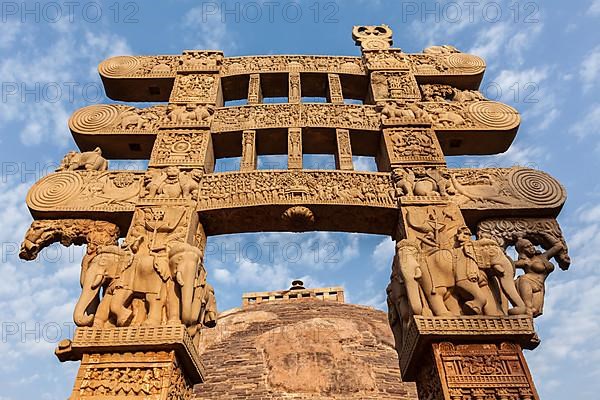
(456, 303)
(301, 349)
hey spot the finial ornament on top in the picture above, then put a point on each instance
(372, 37)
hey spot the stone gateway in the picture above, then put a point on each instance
(459, 308)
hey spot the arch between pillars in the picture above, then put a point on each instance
(300, 218)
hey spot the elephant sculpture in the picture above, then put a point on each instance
(184, 265)
(87, 161)
(102, 272)
(177, 284)
(131, 120)
(492, 259)
(439, 278)
(204, 309)
(407, 266)
(145, 276)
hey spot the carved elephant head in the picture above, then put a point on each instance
(102, 269)
(184, 261)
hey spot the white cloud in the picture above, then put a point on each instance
(589, 123)
(520, 155)
(504, 41)
(9, 31)
(222, 275)
(206, 29)
(43, 85)
(361, 163)
(383, 254)
(594, 8)
(590, 68)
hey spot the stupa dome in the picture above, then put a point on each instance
(309, 346)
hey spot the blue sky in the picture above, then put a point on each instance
(543, 59)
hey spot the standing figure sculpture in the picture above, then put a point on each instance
(537, 267)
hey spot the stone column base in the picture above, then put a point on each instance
(469, 358)
(156, 363)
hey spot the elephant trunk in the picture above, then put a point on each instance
(187, 316)
(184, 262)
(188, 270)
(80, 315)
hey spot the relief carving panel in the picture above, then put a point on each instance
(282, 187)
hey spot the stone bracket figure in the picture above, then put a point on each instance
(537, 267)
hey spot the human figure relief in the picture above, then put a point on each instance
(466, 271)
(537, 267)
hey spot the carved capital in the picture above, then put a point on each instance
(406, 146)
(196, 88)
(400, 85)
(183, 148)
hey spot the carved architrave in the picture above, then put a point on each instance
(519, 189)
(196, 88)
(163, 66)
(335, 89)
(248, 161)
(412, 146)
(286, 63)
(108, 118)
(505, 188)
(344, 150)
(254, 89)
(480, 115)
(290, 187)
(343, 116)
(294, 148)
(256, 117)
(454, 63)
(443, 116)
(86, 191)
(189, 115)
(398, 85)
(184, 148)
(438, 92)
(139, 66)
